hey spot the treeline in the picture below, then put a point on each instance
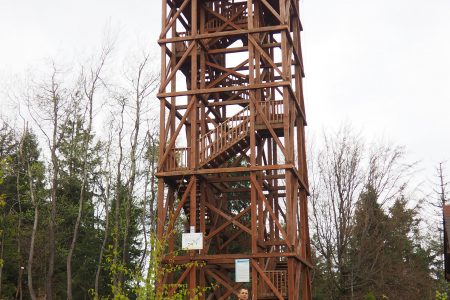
(78, 196)
(77, 181)
(372, 234)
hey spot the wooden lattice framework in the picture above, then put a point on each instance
(232, 157)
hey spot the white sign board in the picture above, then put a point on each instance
(192, 241)
(242, 268)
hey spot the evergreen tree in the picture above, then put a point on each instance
(407, 273)
(70, 186)
(18, 211)
(367, 249)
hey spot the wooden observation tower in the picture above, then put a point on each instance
(232, 160)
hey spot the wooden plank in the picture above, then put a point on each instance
(241, 49)
(214, 179)
(242, 32)
(225, 89)
(180, 280)
(177, 113)
(224, 170)
(230, 258)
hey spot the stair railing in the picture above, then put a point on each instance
(225, 134)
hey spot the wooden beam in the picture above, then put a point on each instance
(177, 67)
(228, 222)
(228, 218)
(226, 89)
(269, 126)
(272, 10)
(180, 205)
(224, 170)
(242, 32)
(272, 214)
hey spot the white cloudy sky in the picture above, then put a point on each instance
(383, 66)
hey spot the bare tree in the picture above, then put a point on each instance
(142, 83)
(340, 173)
(336, 180)
(90, 84)
(118, 187)
(105, 188)
(50, 107)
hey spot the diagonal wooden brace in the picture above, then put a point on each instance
(270, 210)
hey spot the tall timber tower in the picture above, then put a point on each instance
(232, 158)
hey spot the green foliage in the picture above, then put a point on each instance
(441, 295)
(370, 296)
(387, 257)
(142, 284)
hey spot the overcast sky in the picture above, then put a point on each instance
(383, 66)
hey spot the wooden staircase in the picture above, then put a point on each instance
(225, 140)
(229, 138)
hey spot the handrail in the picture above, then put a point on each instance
(226, 133)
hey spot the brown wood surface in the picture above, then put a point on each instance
(232, 164)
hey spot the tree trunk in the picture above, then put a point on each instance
(31, 254)
(74, 240)
(33, 233)
(102, 249)
(106, 196)
(117, 277)
(19, 224)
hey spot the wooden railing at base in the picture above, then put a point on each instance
(279, 280)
